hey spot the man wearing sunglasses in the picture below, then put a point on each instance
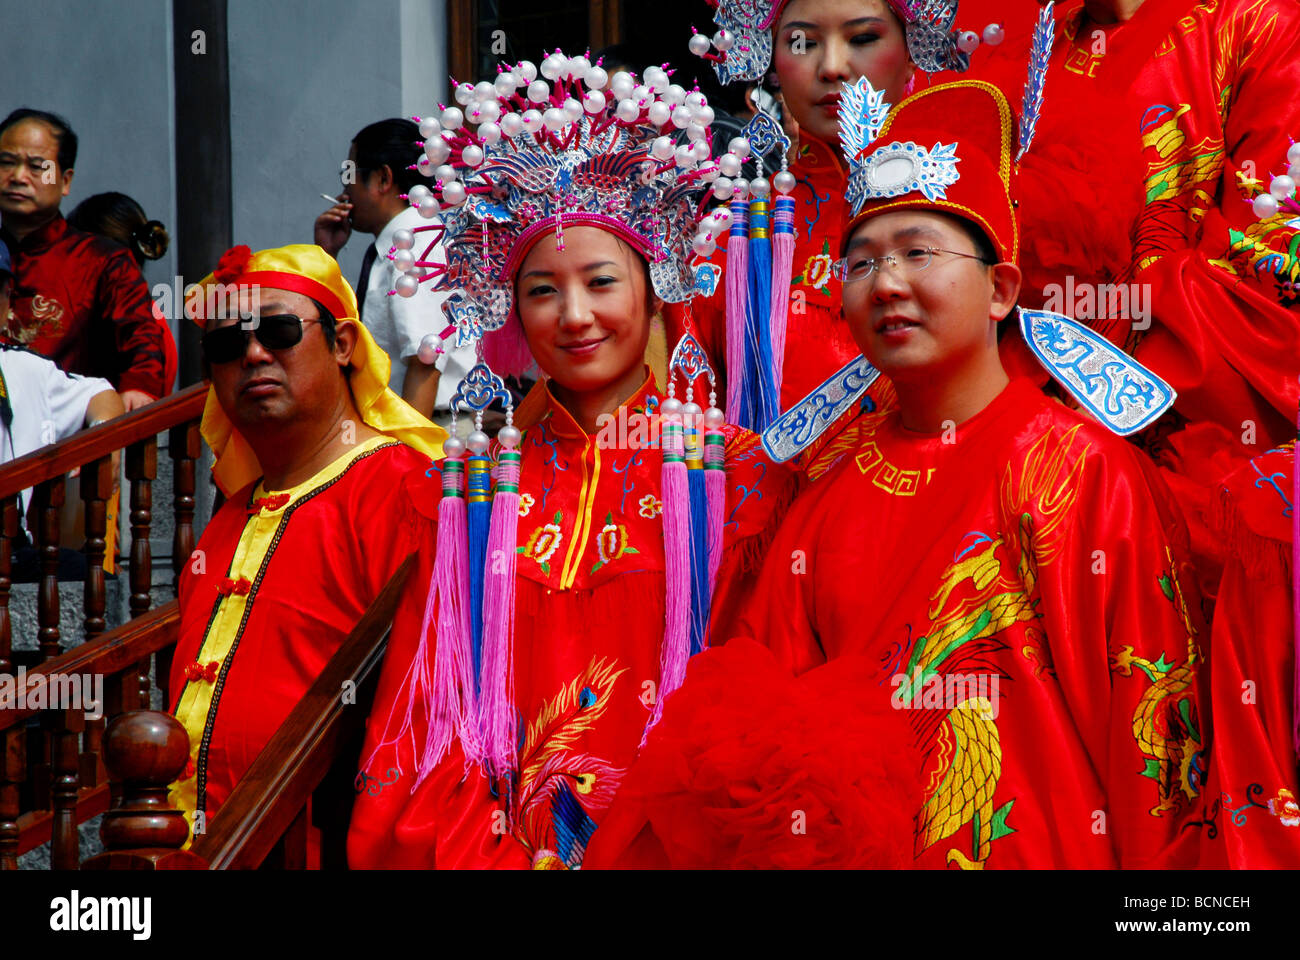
(324, 468)
(1012, 575)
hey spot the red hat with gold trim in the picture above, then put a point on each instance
(948, 149)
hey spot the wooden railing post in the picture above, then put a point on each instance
(8, 534)
(13, 770)
(141, 469)
(96, 487)
(48, 497)
(97, 478)
(183, 446)
(146, 751)
(65, 847)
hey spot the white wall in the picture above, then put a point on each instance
(305, 76)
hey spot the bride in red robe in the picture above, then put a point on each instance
(596, 550)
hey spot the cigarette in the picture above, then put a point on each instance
(326, 196)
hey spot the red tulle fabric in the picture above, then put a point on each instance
(752, 768)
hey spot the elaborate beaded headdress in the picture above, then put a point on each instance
(529, 154)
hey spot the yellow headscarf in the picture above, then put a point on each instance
(310, 271)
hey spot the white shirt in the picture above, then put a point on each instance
(398, 324)
(49, 405)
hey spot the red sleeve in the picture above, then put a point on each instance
(778, 611)
(123, 301)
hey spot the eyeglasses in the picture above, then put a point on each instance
(278, 332)
(907, 260)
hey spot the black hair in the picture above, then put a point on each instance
(118, 217)
(67, 140)
(988, 253)
(393, 144)
(983, 245)
(328, 323)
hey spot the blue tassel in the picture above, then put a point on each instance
(479, 519)
(700, 599)
(760, 403)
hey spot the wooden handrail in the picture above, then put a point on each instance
(101, 441)
(273, 793)
(108, 654)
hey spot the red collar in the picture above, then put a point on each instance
(562, 422)
(818, 160)
(41, 238)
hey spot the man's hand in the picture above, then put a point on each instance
(133, 400)
(333, 227)
(420, 385)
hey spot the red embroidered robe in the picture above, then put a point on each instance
(1017, 594)
(277, 583)
(1155, 136)
(589, 612)
(81, 300)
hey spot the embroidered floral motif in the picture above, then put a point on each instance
(372, 785)
(611, 542)
(650, 506)
(1285, 808)
(526, 502)
(543, 543)
(817, 271)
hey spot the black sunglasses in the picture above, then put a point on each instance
(279, 332)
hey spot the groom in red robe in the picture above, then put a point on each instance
(1005, 574)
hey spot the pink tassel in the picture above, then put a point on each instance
(454, 700)
(497, 675)
(447, 697)
(737, 292)
(676, 648)
(782, 270)
(715, 489)
(1295, 595)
